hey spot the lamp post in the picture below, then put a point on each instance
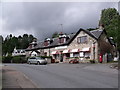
(93, 46)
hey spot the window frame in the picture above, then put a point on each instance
(79, 39)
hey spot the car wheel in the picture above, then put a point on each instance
(29, 62)
(45, 63)
(38, 63)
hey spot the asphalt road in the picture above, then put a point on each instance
(70, 75)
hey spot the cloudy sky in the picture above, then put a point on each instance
(44, 18)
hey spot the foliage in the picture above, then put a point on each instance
(46, 56)
(110, 18)
(14, 59)
(19, 59)
(7, 59)
(92, 61)
(55, 35)
(20, 42)
(72, 58)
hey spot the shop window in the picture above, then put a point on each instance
(87, 54)
(71, 54)
(81, 54)
(67, 54)
(82, 39)
(76, 54)
(56, 56)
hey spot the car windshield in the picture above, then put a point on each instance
(39, 58)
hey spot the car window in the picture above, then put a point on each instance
(38, 57)
(32, 58)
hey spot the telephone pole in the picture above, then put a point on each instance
(61, 26)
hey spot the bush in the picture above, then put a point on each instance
(7, 59)
(46, 57)
(19, 59)
(92, 61)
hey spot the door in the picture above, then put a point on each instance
(61, 57)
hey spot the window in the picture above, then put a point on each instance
(67, 54)
(82, 39)
(81, 54)
(87, 54)
(71, 54)
(32, 58)
(76, 54)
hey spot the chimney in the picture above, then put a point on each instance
(101, 26)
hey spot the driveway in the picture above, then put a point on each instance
(70, 75)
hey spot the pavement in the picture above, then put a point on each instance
(59, 75)
(12, 78)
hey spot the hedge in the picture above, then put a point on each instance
(46, 57)
(19, 59)
(7, 59)
(14, 59)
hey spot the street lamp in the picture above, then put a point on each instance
(93, 46)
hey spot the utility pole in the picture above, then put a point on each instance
(61, 26)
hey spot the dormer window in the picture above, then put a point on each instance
(62, 38)
(47, 41)
(82, 39)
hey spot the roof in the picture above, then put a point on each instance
(95, 34)
(20, 49)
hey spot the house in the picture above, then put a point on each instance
(85, 45)
(18, 52)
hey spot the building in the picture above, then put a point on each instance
(84, 45)
(18, 52)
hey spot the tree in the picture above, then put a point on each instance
(110, 18)
(31, 38)
(20, 42)
(55, 35)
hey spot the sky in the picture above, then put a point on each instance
(42, 19)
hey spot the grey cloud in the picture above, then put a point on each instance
(45, 18)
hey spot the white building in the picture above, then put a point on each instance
(18, 52)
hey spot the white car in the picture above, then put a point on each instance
(36, 60)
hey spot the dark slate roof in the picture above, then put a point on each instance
(95, 34)
(55, 42)
(40, 44)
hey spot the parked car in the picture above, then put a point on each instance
(36, 60)
(74, 61)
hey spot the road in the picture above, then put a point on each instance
(70, 75)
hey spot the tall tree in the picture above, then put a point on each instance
(110, 18)
(20, 42)
(55, 34)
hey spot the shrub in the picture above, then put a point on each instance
(19, 59)
(46, 57)
(92, 61)
(7, 59)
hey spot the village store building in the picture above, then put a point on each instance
(84, 45)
